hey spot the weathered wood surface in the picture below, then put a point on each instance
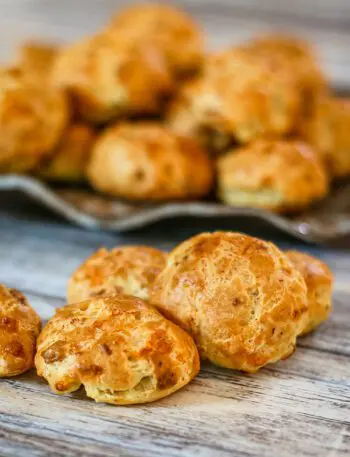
(299, 407)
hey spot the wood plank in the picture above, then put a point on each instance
(313, 410)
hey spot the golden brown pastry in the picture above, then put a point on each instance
(329, 132)
(109, 78)
(37, 57)
(242, 95)
(185, 117)
(19, 328)
(145, 161)
(70, 157)
(239, 297)
(170, 30)
(298, 58)
(119, 348)
(32, 119)
(274, 175)
(319, 283)
(181, 117)
(129, 269)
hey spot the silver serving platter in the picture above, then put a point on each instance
(327, 221)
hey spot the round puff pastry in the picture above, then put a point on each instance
(297, 57)
(129, 269)
(328, 131)
(239, 297)
(108, 78)
(319, 283)
(254, 176)
(245, 96)
(170, 30)
(19, 328)
(32, 119)
(145, 161)
(185, 117)
(71, 155)
(119, 348)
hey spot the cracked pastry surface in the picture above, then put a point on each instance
(170, 30)
(107, 78)
(239, 297)
(319, 283)
(128, 269)
(145, 161)
(275, 175)
(19, 328)
(119, 348)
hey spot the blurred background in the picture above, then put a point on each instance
(323, 22)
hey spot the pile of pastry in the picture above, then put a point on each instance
(139, 320)
(141, 111)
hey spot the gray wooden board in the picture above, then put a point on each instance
(299, 407)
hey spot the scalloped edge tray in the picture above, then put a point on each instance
(327, 221)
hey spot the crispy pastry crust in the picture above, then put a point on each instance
(109, 78)
(145, 161)
(119, 348)
(129, 269)
(19, 328)
(240, 298)
(274, 175)
(319, 282)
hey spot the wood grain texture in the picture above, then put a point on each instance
(299, 407)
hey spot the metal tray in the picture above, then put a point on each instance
(326, 222)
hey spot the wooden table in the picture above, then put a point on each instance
(299, 407)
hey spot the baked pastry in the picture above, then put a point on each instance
(171, 30)
(239, 297)
(109, 78)
(185, 117)
(145, 161)
(244, 96)
(19, 328)
(119, 348)
(32, 119)
(328, 131)
(128, 269)
(37, 58)
(180, 114)
(254, 176)
(70, 157)
(298, 58)
(319, 283)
